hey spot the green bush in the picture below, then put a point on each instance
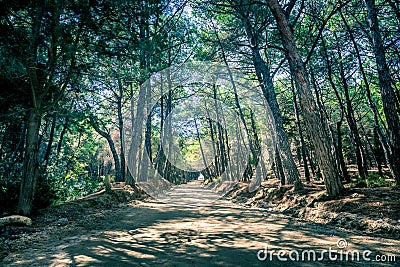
(74, 183)
(373, 180)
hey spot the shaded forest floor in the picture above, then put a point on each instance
(373, 211)
(124, 229)
(60, 220)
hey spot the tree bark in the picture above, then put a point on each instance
(50, 143)
(301, 136)
(121, 130)
(340, 156)
(314, 123)
(378, 152)
(31, 164)
(220, 131)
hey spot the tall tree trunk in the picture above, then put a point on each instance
(377, 129)
(368, 146)
(202, 150)
(31, 164)
(339, 151)
(326, 118)
(387, 92)
(301, 136)
(61, 138)
(212, 135)
(220, 131)
(121, 129)
(291, 172)
(261, 171)
(312, 164)
(221, 136)
(49, 144)
(168, 136)
(30, 170)
(147, 155)
(41, 79)
(158, 161)
(137, 135)
(111, 144)
(315, 125)
(286, 158)
(135, 155)
(378, 152)
(278, 167)
(351, 121)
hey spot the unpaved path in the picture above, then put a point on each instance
(188, 234)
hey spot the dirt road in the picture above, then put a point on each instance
(192, 232)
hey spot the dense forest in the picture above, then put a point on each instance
(75, 82)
